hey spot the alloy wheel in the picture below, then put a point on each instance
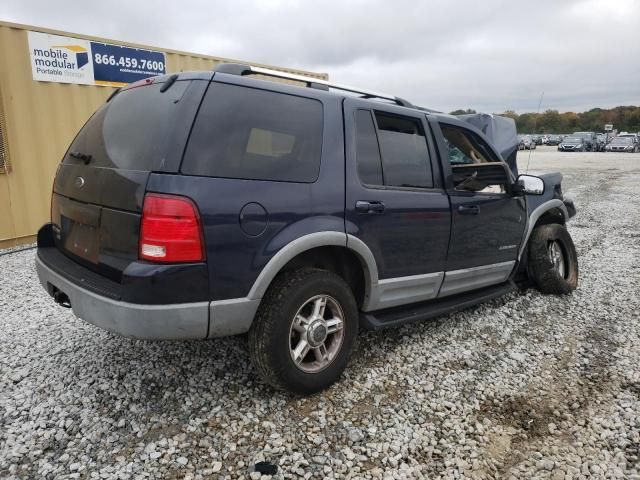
(316, 333)
(557, 258)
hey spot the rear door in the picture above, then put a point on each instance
(395, 201)
(487, 225)
(100, 184)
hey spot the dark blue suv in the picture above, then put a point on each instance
(199, 205)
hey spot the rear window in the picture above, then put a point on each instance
(133, 131)
(255, 134)
(405, 157)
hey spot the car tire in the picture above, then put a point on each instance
(553, 261)
(278, 332)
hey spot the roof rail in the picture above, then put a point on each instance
(240, 69)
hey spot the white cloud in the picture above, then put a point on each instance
(490, 55)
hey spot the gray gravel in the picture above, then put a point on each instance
(525, 386)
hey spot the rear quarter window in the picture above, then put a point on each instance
(254, 134)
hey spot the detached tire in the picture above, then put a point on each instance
(553, 262)
(304, 331)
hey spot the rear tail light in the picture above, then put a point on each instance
(170, 230)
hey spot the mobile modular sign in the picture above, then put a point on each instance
(55, 58)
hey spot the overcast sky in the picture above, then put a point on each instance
(490, 55)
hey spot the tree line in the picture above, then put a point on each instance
(623, 118)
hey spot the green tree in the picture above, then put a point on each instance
(623, 118)
(462, 112)
(549, 122)
(527, 123)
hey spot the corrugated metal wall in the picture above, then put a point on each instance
(40, 121)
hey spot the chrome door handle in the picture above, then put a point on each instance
(363, 206)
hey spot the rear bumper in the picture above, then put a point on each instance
(152, 322)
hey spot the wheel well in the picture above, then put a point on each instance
(339, 260)
(553, 215)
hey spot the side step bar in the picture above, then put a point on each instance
(396, 316)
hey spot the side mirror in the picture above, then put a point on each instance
(528, 184)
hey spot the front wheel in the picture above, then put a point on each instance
(553, 261)
(304, 331)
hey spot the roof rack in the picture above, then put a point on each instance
(240, 69)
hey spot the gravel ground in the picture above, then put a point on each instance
(526, 386)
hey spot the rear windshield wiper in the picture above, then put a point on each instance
(85, 157)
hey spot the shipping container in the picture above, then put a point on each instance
(50, 83)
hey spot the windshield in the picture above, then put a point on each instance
(572, 140)
(622, 141)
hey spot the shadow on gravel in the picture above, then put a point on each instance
(158, 377)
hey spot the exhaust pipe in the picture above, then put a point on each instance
(61, 299)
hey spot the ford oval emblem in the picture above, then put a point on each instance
(79, 183)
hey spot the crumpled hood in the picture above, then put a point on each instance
(501, 132)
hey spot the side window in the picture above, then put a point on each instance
(466, 147)
(405, 156)
(367, 151)
(465, 150)
(256, 135)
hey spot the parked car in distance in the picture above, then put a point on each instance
(590, 140)
(622, 144)
(553, 140)
(633, 136)
(526, 143)
(537, 139)
(205, 204)
(572, 143)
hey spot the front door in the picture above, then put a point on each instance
(395, 201)
(487, 225)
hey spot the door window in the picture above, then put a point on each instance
(396, 155)
(465, 146)
(367, 151)
(465, 149)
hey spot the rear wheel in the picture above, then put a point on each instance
(304, 330)
(553, 262)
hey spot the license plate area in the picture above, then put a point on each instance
(80, 225)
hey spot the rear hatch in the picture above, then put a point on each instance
(100, 185)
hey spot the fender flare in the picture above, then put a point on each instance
(308, 242)
(535, 216)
